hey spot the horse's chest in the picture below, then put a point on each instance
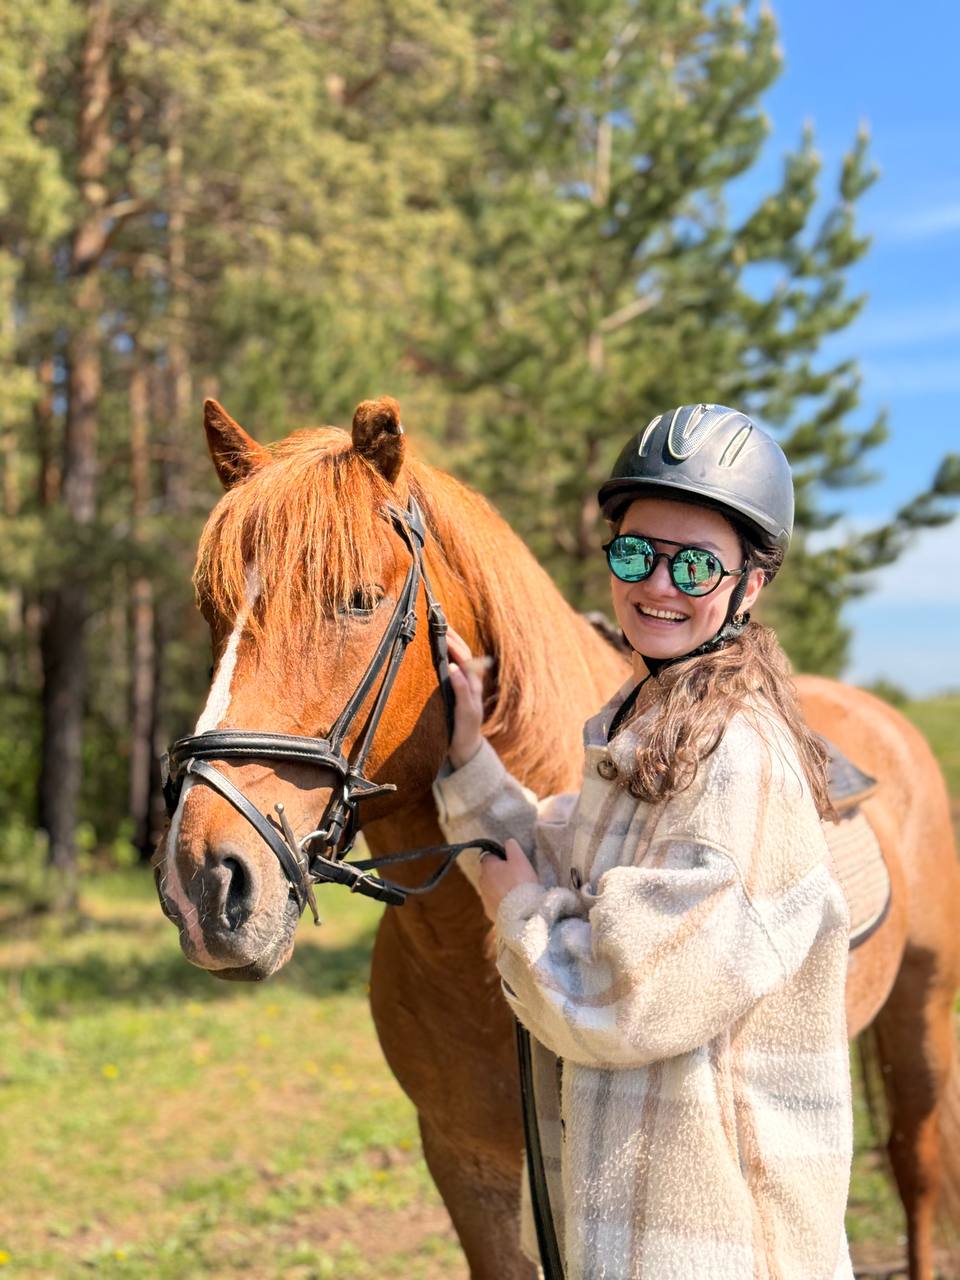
(444, 1026)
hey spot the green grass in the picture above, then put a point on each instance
(938, 719)
(158, 1123)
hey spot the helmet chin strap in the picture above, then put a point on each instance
(733, 625)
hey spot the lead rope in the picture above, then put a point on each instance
(536, 1170)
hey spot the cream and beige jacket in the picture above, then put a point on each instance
(681, 967)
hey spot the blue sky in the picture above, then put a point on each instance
(893, 67)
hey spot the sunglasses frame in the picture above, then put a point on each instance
(671, 561)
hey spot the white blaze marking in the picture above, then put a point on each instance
(213, 714)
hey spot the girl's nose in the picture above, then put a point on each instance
(660, 578)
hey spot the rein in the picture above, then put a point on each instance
(320, 857)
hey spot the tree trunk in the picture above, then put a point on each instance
(143, 667)
(66, 606)
(177, 397)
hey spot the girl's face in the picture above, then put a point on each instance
(657, 617)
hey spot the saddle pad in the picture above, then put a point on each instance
(862, 872)
(848, 785)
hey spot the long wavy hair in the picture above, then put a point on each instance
(696, 699)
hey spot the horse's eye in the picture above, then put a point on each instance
(363, 601)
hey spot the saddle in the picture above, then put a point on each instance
(854, 849)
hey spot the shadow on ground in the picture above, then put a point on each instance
(150, 978)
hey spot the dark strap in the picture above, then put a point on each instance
(246, 744)
(625, 708)
(539, 1192)
(295, 872)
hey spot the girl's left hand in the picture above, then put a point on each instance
(497, 878)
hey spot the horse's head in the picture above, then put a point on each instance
(299, 574)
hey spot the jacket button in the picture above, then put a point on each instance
(606, 769)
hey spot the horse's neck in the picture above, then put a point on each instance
(554, 669)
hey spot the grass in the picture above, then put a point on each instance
(938, 719)
(158, 1123)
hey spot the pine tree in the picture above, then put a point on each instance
(607, 282)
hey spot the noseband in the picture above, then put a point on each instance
(320, 856)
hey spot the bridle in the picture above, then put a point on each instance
(320, 856)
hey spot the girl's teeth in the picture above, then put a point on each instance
(662, 613)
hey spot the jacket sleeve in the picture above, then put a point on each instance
(660, 957)
(482, 799)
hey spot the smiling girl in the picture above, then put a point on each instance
(672, 936)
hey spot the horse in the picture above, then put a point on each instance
(298, 570)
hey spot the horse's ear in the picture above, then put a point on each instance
(378, 435)
(235, 454)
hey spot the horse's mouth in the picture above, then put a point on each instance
(231, 953)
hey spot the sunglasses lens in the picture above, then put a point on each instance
(696, 572)
(631, 559)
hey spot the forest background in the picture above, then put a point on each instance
(510, 216)
(535, 223)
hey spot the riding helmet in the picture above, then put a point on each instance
(710, 454)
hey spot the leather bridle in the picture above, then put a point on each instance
(320, 857)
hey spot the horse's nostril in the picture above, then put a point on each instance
(237, 900)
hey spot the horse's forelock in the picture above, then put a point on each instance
(308, 523)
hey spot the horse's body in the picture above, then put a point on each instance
(291, 640)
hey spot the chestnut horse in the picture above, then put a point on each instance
(297, 575)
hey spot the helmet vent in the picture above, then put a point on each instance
(648, 432)
(691, 428)
(732, 452)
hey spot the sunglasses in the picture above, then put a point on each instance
(693, 570)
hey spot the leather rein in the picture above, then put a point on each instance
(320, 857)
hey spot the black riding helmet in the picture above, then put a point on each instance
(718, 457)
(710, 454)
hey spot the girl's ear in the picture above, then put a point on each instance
(235, 454)
(755, 583)
(378, 435)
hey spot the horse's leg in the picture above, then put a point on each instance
(484, 1203)
(914, 1033)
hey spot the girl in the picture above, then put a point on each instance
(672, 937)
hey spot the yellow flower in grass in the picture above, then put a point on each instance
(4, 1258)
(110, 1071)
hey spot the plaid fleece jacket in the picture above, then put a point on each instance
(681, 967)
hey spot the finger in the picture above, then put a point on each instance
(513, 848)
(461, 681)
(459, 649)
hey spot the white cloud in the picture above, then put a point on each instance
(928, 572)
(905, 326)
(918, 375)
(924, 223)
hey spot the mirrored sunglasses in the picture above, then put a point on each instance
(693, 570)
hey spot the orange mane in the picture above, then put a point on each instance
(309, 522)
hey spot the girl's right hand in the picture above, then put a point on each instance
(466, 679)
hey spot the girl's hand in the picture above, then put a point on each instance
(466, 679)
(497, 878)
